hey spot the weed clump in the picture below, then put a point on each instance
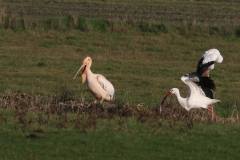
(64, 112)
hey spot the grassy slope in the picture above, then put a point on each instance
(142, 68)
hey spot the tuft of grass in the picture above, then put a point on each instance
(41, 64)
(237, 31)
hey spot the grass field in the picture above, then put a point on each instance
(114, 134)
(42, 49)
(205, 11)
(142, 68)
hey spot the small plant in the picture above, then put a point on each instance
(237, 31)
(41, 64)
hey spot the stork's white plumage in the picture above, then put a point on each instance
(212, 55)
(98, 85)
(196, 98)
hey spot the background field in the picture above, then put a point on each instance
(204, 11)
(142, 68)
(143, 48)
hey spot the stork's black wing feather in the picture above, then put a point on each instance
(207, 92)
(201, 68)
(206, 82)
(194, 77)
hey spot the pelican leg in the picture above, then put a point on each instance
(207, 73)
(102, 101)
(95, 101)
(210, 108)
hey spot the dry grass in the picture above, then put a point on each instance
(20, 104)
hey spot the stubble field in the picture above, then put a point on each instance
(215, 11)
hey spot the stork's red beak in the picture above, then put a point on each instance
(169, 93)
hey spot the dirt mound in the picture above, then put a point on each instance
(21, 103)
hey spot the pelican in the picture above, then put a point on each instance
(212, 55)
(98, 85)
(199, 90)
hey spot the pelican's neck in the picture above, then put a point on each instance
(182, 101)
(90, 64)
(88, 70)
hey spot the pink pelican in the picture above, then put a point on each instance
(212, 55)
(98, 85)
(199, 90)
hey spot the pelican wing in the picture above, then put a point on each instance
(106, 85)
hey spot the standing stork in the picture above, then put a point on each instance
(212, 55)
(199, 90)
(98, 85)
(197, 98)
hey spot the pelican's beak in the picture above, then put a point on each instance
(169, 93)
(83, 73)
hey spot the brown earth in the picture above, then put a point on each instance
(21, 104)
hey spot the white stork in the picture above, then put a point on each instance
(212, 55)
(98, 85)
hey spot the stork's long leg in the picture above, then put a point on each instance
(95, 101)
(207, 72)
(210, 108)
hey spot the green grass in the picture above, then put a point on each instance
(217, 11)
(117, 138)
(142, 68)
(143, 59)
(99, 145)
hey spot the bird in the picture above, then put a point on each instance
(196, 98)
(199, 90)
(98, 85)
(205, 64)
(211, 55)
